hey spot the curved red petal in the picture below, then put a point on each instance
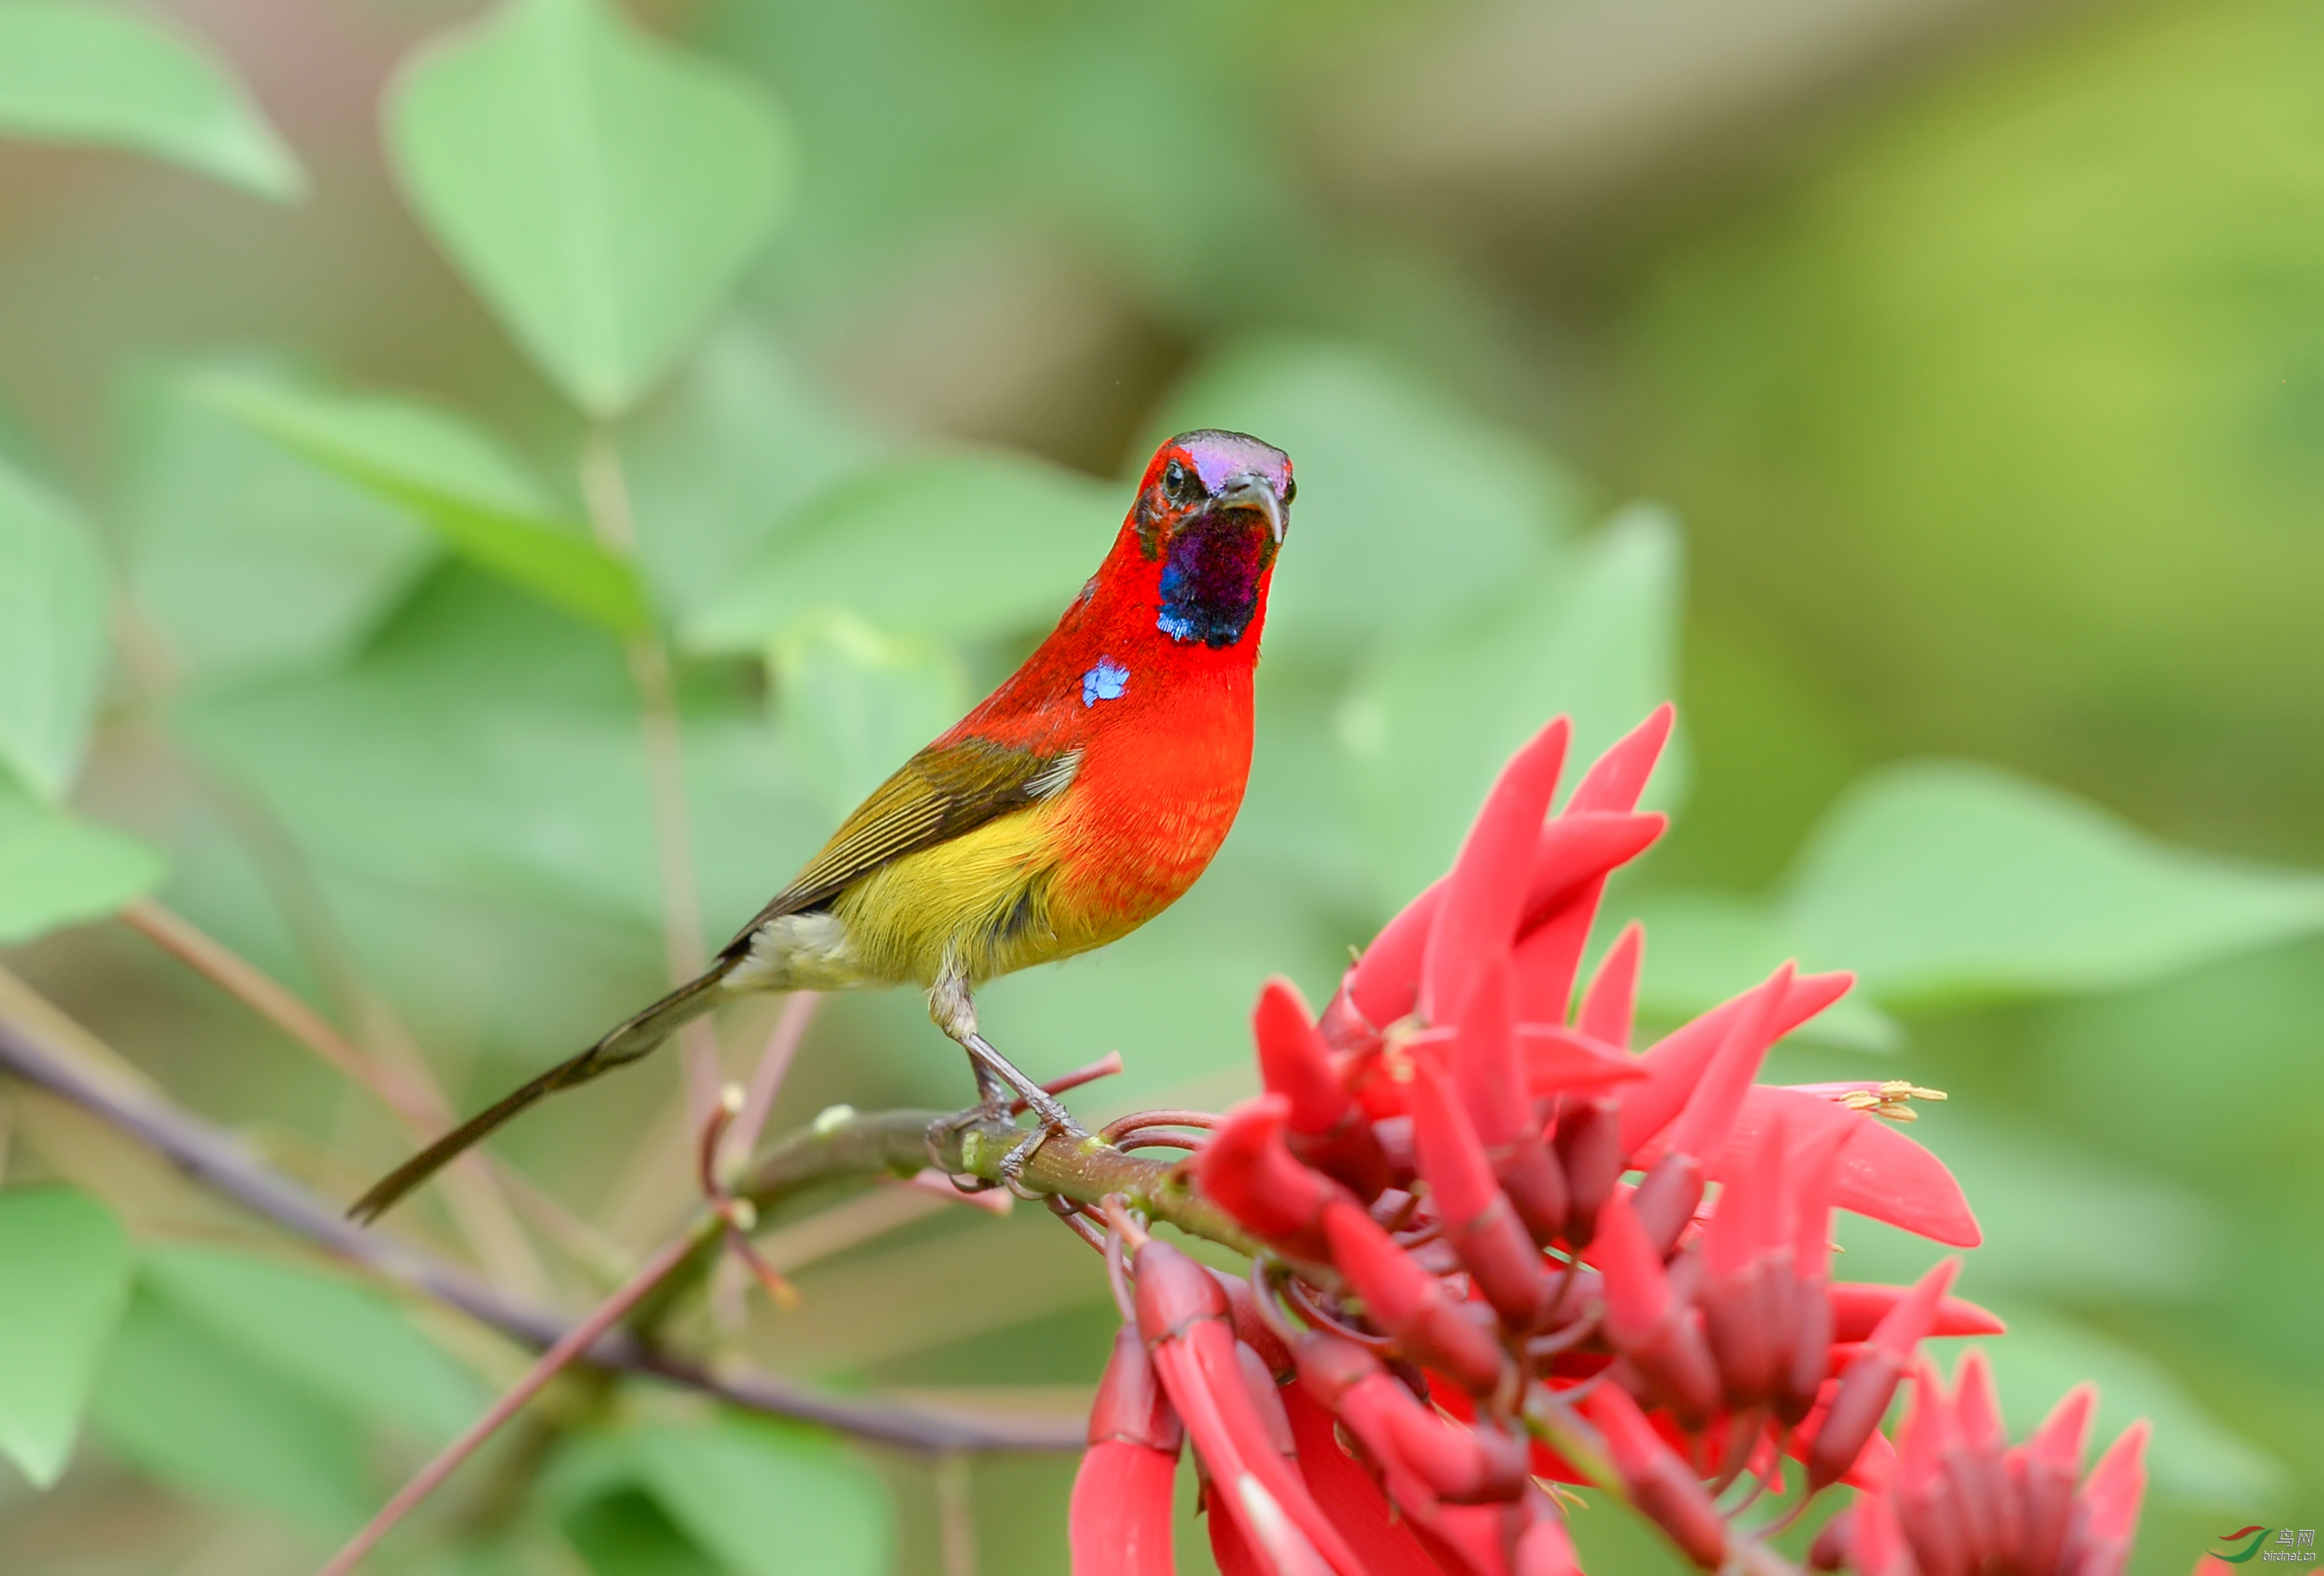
(1486, 891)
(1610, 1005)
(1881, 1174)
(1710, 1112)
(2117, 1484)
(1616, 779)
(1348, 1494)
(1119, 1521)
(1676, 1062)
(1384, 986)
(1294, 1061)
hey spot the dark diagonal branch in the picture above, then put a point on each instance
(213, 1158)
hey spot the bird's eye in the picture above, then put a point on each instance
(1290, 488)
(1180, 482)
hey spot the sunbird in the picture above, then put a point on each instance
(1075, 803)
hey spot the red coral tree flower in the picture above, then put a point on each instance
(1507, 1253)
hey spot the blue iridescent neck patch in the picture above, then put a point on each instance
(1210, 578)
(1106, 681)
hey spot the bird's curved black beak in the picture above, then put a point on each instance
(1252, 491)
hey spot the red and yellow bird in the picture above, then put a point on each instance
(1076, 802)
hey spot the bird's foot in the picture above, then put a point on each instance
(1001, 1089)
(944, 1131)
(1052, 1121)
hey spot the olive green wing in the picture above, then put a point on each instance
(940, 793)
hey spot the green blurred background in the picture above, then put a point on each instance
(1929, 396)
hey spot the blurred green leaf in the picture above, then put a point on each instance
(58, 869)
(962, 545)
(627, 1533)
(1408, 506)
(341, 1342)
(453, 477)
(176, 1402)
(766, 1500)
(2060, 1222)
(1429, 722)
(65, 1261)
(1946, 879)
(856, 703)
(247, 557)
(743, 438)
(2191, 1456)
(487, 748)
(601, 190)
(90, 73)
(1705, 947)
(52, 610)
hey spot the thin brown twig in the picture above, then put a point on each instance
(260, 991)
(561, 1354)
(605, 493)
(477, 1204)
(955, 1514)
(217, 1160)
(773, 1065)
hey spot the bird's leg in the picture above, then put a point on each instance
(998, 1084)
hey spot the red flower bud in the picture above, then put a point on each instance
(1129, 1406)
(2106, 1515)
(1246, 1171)
(1925, 1505)
(1661, 1486)
(1543, 1548)
(1647, 1324)
(1479, 1222)
(1325, 1127)
(1589, 1148)
(2043, 1471)
(1425, 1457)
(1869, 1381)
(1666, 1198)
(1748, 1292)
(1834, 1548)
(1120, 1513)
(1182, 1316)
(1117, 1522)
(1986, 1504)
(1409, 1304)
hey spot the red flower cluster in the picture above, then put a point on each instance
(1466, 1300)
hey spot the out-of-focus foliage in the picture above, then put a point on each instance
(77, 73)
(1981, 433)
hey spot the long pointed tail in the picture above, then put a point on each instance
(626, 1044)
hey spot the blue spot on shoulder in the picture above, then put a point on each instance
(1175, 625)
(1106, 681)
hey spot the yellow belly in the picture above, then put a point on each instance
(984, 897)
